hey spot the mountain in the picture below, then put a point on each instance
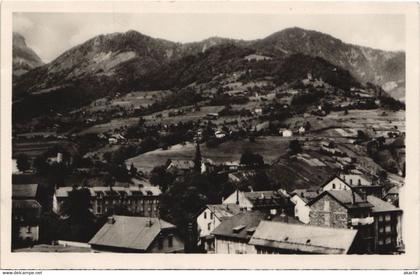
(383, 68)
(121, 62)
(24, 58)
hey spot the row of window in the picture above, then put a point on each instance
(170, 241)
(205, 215)
(99, 209)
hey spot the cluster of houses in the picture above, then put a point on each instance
(347, 215)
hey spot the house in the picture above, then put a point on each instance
(137, 235)
(210, 218)
(219, 134)
(26, 212)
(300, 198)
(232, 236)
(232, 165)
(363, 185)
(180, 166)
(343, 209)
(301, 130)
(335, 183)
(138, 200)
(285, 132)
(262, 126)
(212, 116)
(392, 196)
(258, 111)
(388, 225)
(272, 237)
(261, 200)
(355, 182)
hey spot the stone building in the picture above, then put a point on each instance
(344, 209)
(140, 201)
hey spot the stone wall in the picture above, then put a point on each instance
(328, 212)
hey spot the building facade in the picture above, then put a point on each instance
(140, 201)
(344, 209)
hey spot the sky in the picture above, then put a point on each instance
(50, 34)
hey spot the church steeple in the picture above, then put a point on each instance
(197, 158)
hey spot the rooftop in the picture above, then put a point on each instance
(242, 225)
(182, 164)
(22, 191)
(53, 248)
(345, 197)
(130, 232)
(303, 238)
(25, 204)
(224, 210)
(63, 192)
(380, 205)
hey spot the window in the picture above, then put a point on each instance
(381, 242)
(209, 226)
(388, 228)
(381, 230)
(205, 214)
(327, 219)
(170, 240)
(326, 206)
(387, 217)
(28, 230)
(388, 240)
(381, 218)
(99, 209)
(359, 182)
(351, 181)
(333, 185)
(211, 215)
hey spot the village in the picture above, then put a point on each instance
(344, 211)
(232, 164)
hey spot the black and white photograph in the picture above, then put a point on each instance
(208, 133)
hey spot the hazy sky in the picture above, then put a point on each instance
(50, 34)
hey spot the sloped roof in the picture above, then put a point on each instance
(182, 164)
(224, 210)
(25, 204)
(266, 198)
(305, 194)
(24, 190)
(380, 205)
(335, 177)
(345, 198)
(130, 232)
(303, 238)
(248, 220)
(63, 192)
(393, 190)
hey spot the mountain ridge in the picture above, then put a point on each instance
(105, 63)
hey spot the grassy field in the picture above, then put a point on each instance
(109, 126)
(269, 147)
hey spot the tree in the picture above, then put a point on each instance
(41, 165)
(250, 159)
(295, 147)
(160, 177)
(22, 162)
(81, 220)
(133, 170)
